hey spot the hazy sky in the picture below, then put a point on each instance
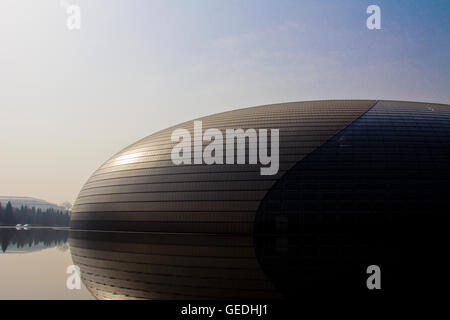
(69, 99)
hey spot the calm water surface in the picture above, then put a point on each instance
(33, 265)
(188, 266)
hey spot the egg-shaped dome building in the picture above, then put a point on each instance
(360, 182)
(141, 189)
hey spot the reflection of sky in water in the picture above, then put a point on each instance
(37, 271)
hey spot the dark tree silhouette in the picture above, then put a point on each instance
(9, 213)
(10, 216)
(21, 239)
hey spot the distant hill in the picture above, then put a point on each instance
(30, 202)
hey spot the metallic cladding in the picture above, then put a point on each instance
(141, 189)
(361, 183)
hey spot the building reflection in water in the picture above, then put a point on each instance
(266, 265)
(118, 265)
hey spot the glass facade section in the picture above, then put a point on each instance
(375, 193)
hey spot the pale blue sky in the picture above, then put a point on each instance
(71, 99)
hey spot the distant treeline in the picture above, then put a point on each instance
(10, 216)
